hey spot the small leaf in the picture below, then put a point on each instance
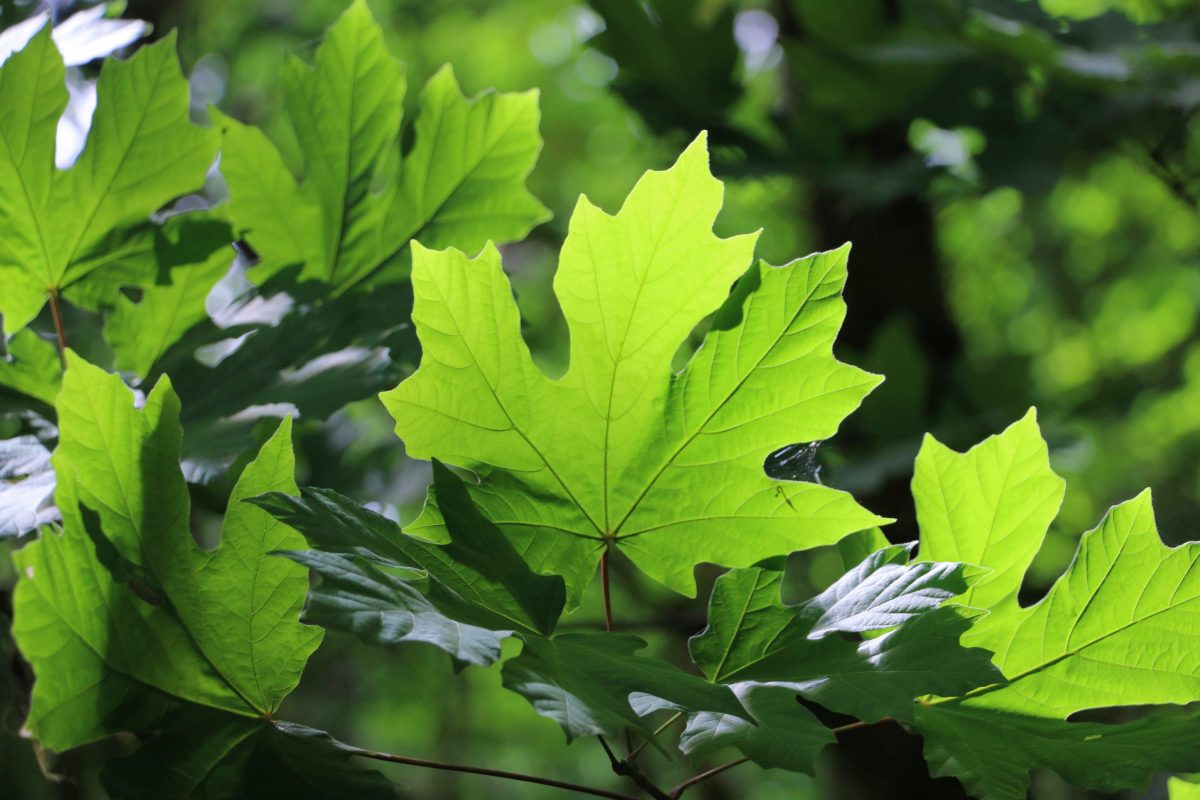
(596, 684)
(990, 506)
(753, 636)
(382, 608)
(786, 735)
(31, 367)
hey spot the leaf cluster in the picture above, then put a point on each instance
(135, 623)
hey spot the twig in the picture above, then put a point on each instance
(853, 726)
(59, 332)
(703, 776)
(627, 769)
(493, 773)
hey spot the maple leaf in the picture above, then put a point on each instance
(84, 232)
(130, 626)
(352, 217)
(620, 452)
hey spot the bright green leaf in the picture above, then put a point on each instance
(1180, 789)
(31, 367)
(86, 231)
(1120, 628)
(991, 507)
(668, 468)
(358, 206)
(122, 611)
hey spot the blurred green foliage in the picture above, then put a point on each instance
(1022, 184)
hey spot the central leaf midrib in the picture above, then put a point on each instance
(732, 392)
(616, 364)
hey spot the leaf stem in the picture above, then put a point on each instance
(604, 585)
(59, 331)
(492, 773)
(633, 754)
(703, 776)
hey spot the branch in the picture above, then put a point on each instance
(703, 776)
(492, 773)
(627, 769)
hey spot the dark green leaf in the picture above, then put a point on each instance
(202, 754)
(786, 735)
(476, 578)
(596, 684)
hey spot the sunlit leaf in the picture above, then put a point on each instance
(86, 231)
(359, 204)
(620, 451)
(1120, 628)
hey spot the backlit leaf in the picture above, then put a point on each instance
(620, 451)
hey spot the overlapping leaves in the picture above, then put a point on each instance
(464, 596)
(768, 652)
(127, 622)
(1120, 628)
(345, 221)
(619, 451)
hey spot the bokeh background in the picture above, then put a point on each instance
(1021, 182)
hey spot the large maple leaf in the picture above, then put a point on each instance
(620, 451)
